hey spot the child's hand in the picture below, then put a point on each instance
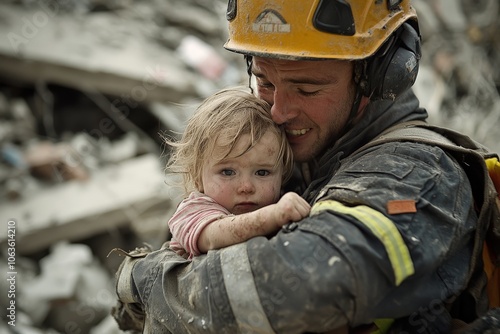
(290, 207)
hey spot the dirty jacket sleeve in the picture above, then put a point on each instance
(350, 262)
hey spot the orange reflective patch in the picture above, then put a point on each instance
(396, 207)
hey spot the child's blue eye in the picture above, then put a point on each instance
(227, 172)
(263, 172)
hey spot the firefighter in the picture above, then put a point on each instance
(391, 230)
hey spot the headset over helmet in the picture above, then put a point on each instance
(381, 34)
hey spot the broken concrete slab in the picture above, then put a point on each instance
(110, 55)
(115, 196)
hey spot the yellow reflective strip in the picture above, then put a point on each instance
(383, 228)
(383, 325)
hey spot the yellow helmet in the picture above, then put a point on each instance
(300, 29)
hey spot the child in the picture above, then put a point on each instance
(233, 159)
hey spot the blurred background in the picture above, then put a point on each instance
(87, 88)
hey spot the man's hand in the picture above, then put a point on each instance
(129, 317)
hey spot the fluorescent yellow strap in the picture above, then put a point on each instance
(383, 228)
(493, 166)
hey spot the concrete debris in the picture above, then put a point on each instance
(89, 89)
(50, 161)
(458, 81)
(116, 195)
(201, 56)
(106, 326)
(72, 292)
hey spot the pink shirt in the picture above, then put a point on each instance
(192, 215)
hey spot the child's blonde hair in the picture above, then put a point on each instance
(220, 121)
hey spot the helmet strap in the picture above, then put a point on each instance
(248, 61)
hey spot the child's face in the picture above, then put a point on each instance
(247, 182)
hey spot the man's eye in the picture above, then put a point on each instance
(227, 172)
(308, 93)
(263, 172)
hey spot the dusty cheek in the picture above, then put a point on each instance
(277, 193)
(212, 190)
(272, 194)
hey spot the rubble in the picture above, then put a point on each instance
(88, 88)
(458, 81)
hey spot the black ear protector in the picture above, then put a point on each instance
(393, 68)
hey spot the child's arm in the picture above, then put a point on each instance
(235, 229)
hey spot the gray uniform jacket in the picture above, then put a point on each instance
(389, 236)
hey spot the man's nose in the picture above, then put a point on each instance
(282, 109)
